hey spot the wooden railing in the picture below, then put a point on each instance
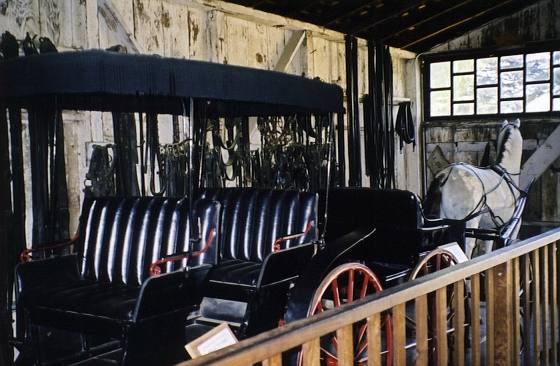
(517, 287)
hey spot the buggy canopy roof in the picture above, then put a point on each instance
(101, 80)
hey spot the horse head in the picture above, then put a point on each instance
(510, 146)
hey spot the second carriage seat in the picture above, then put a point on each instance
(253, 258)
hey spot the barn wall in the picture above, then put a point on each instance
(195, 29)
(466, 141)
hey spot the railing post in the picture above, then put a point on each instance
(502, 314)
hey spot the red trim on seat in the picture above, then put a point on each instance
(25, 255)
(155, 268)
(276, 247)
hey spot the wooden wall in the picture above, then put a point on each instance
(195, 29)
(466, 141)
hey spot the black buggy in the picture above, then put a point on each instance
(145, 275)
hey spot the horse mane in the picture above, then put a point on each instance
(432, 200)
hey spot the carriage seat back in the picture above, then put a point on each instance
(252, 219)
(121, 237)
(352, 208)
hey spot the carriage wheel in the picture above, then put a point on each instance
(344, 284)
(436, 260)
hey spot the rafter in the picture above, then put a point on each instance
(424, 40)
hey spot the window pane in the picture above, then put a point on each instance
(440, 75)
(556, 104)
(538, 66)
(463, 66)
(463, 87)
(511, 106)
(511, 62)
(462, 109)
(487, 100)
(556, 83)
(556, 58)
(538, 98)
(440, 103)
(487, 71)
(511, 84)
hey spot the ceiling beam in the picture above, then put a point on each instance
(414, 23)
(425, 40)
(412, 5)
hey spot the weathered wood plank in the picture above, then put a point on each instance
(459, 323)
(148, 30)
(537, 342)
(554, 302)
(275, 360)
(289, 52)
(541, 159)
(526, 261)
(502, 315)
(490, 301)
(441, 326)
(374, 327)
(421, 322)
(175, 30)
(345, 346)
(311, 353)
(516, 313)
(399, 335)
(475, 325)
(545, 304)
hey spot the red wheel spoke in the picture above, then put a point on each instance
(425, 268)
(438, 262)
(362, 332)
(361, 348)
(350, 287)
(365, 284)
(318, 308)
(336, 295)
(334, 342)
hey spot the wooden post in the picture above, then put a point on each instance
(399, 335)
(345, 348)
(421, 322)
(536, 292)
(490, 298)
(441, 326)
(475, 322)
(516, 313)
(554, 303)
(459, 324)
(502, 315)
(374, 340)
(311, 353)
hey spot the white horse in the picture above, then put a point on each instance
(484, 197)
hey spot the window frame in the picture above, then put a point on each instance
(475, 54)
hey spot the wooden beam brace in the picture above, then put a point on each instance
(290, 50)
(541, 159)
(124, 36)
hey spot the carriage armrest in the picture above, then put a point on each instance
(25, 255)
(171, 292)
(286, 263)
(155, 268)
(47, 273)
(277, 243)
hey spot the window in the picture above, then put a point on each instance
(492, 84)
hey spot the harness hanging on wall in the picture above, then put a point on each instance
(404, 125)
(48, 174)
(6, 238)
(125, 155)
(378, 118)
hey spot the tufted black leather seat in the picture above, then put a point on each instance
(105, 287)
(253, 267)
(251, 221)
